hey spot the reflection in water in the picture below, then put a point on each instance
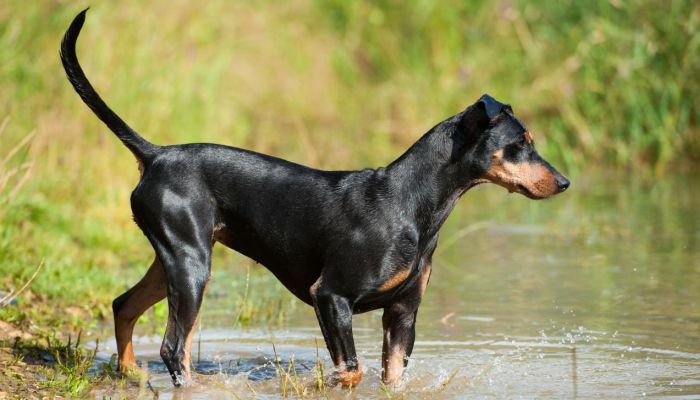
(594, 293)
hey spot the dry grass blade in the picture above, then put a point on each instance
(12, 295)
(237, 319)
(3, 124)
(18, 146)
(15, 176)
(469, 229)
(320, 371)
(255, 394)
(27, 168)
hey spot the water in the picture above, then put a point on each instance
(593, 294)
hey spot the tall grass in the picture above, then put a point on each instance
(332, 84)
(601, 81)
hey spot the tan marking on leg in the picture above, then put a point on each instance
(187, 359)
(394, 356)
(425, 278)
(392, 365)
(150, 289)
(395, 280)
(348, 378)
(314, 288)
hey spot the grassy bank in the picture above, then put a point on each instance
(331, 84)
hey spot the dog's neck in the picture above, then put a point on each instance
(428, 179)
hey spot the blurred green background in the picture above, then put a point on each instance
(604, 85)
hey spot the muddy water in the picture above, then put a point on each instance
(594, 294)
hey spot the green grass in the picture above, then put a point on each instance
(599, 81)
(51, 366)
(293, 384)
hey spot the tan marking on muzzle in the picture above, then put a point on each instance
(533, 180)
(528, 137)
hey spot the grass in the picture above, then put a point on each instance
(63, 368)
(331, 84)
(610, 81)
(292, 385)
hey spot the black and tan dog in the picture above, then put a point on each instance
(345, 242)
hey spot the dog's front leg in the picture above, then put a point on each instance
(399, 324)
(335, 318)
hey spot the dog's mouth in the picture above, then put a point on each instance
(522, 189)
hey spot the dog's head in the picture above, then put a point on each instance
(503, 151)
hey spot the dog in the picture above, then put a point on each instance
(344, 242)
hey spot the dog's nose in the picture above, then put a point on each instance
(562, 183)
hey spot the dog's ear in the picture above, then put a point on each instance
(472, 123)
(476, 117)
(490, 106)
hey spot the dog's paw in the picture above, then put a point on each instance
(347, 378)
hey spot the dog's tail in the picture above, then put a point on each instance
(142, 148)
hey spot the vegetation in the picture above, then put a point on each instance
(46, 365)
(332, 84)
(598, 81)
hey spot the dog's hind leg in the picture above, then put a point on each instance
(128, 308)
(179, 222)
(185, 250)
(187, 280)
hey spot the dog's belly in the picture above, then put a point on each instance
(297, 272)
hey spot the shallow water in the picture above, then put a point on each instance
(593, 294)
